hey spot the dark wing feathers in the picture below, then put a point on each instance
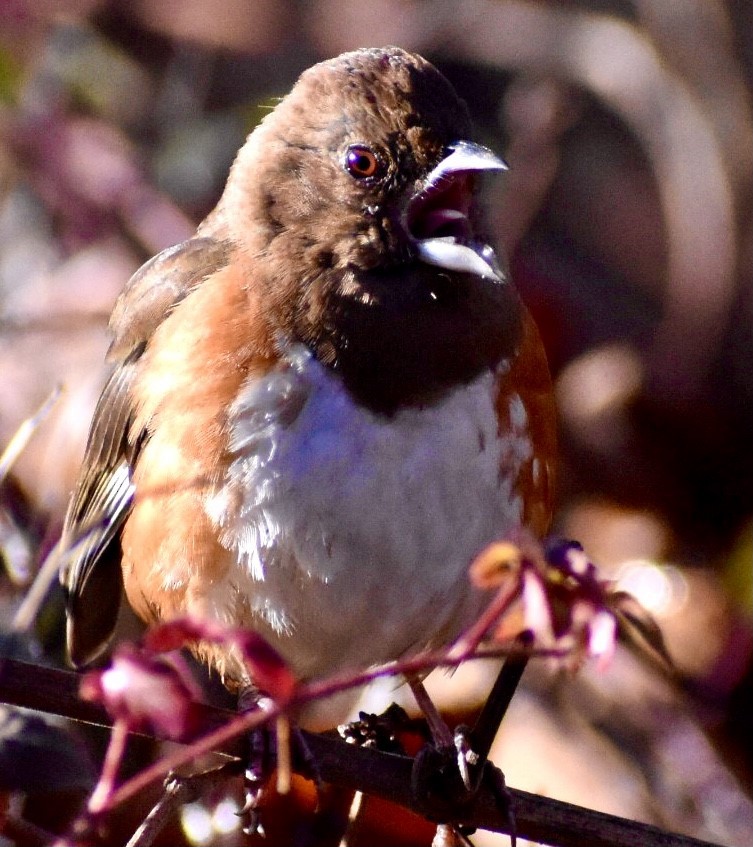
(157, 287)
(89, 548)
(103, 491)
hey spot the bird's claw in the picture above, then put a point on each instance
(466, 757)
(255, 778)
(378, 731)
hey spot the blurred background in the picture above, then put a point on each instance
(626, 220)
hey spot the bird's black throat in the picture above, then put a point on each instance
(406, 336)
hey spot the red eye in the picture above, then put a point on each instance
(361, 162)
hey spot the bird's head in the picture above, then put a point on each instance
(357, 195)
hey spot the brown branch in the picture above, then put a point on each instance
(24, 832)
(380, 774)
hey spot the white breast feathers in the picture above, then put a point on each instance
(353, 532)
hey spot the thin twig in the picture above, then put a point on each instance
(177, 792)
(21, 436)
(98, 802)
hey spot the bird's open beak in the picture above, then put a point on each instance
(437, 216)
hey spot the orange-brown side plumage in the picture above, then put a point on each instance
(529, 377)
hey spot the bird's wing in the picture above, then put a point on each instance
(529, 379)
(89, 548)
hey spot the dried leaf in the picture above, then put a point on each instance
(497, 564)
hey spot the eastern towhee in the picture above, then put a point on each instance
(328, 401)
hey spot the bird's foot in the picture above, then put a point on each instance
(264, 755)
(260, 763)
(466, 757)
(446, 781)
(382, 732)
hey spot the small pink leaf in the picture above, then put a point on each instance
(146, 693)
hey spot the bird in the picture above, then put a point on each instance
(328, 401)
